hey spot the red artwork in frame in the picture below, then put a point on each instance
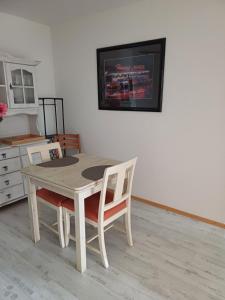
(130, 77)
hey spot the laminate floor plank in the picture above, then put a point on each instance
(173, 258)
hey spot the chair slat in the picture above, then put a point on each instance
(123, 177)
(68, 141)
(44, 151)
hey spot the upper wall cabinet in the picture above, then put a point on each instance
(17, 84)
(21, 81)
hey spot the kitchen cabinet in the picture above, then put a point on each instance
(21, 84)
(18, 84)
(13, 187)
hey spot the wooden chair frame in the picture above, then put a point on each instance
(68, 141)
(122, 180)
(45, 156)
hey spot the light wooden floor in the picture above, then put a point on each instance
(173, 258)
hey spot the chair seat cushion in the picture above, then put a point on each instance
(92, 205)
(51, 197)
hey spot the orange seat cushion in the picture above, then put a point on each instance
(92, 205)
(51, 197)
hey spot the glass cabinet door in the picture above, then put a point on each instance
(3, 93)
(17, 86)
(22, 86)
(28, 83)
(2, 74)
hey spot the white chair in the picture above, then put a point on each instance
(46, 197)
(103, 208)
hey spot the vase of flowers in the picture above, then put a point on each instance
(3, 110)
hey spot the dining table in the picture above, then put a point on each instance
(77, 179)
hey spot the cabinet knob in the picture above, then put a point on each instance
(8, 196)
(10, 86)
(7, 182)
(5, 168)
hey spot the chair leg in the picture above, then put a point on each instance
(66, 217)
(60, 227)
(127, 217)
(101, 239)
(39, 206)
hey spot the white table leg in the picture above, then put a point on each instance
(33, 211)
(80, 233)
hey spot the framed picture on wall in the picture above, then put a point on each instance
(130, 77)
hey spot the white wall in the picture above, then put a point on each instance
(23, 38)
(27, 39)
(181, 150)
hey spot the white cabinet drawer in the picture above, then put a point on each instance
(11, 193)
(23, 149)
(9, 153)
(10, 165)
(10, 179)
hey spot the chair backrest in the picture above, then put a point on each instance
(68, 141)
(44, 151)
(120, 179)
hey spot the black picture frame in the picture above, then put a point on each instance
(130, 77)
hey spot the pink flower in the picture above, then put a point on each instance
(3, 109)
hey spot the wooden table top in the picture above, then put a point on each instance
(70, 176)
